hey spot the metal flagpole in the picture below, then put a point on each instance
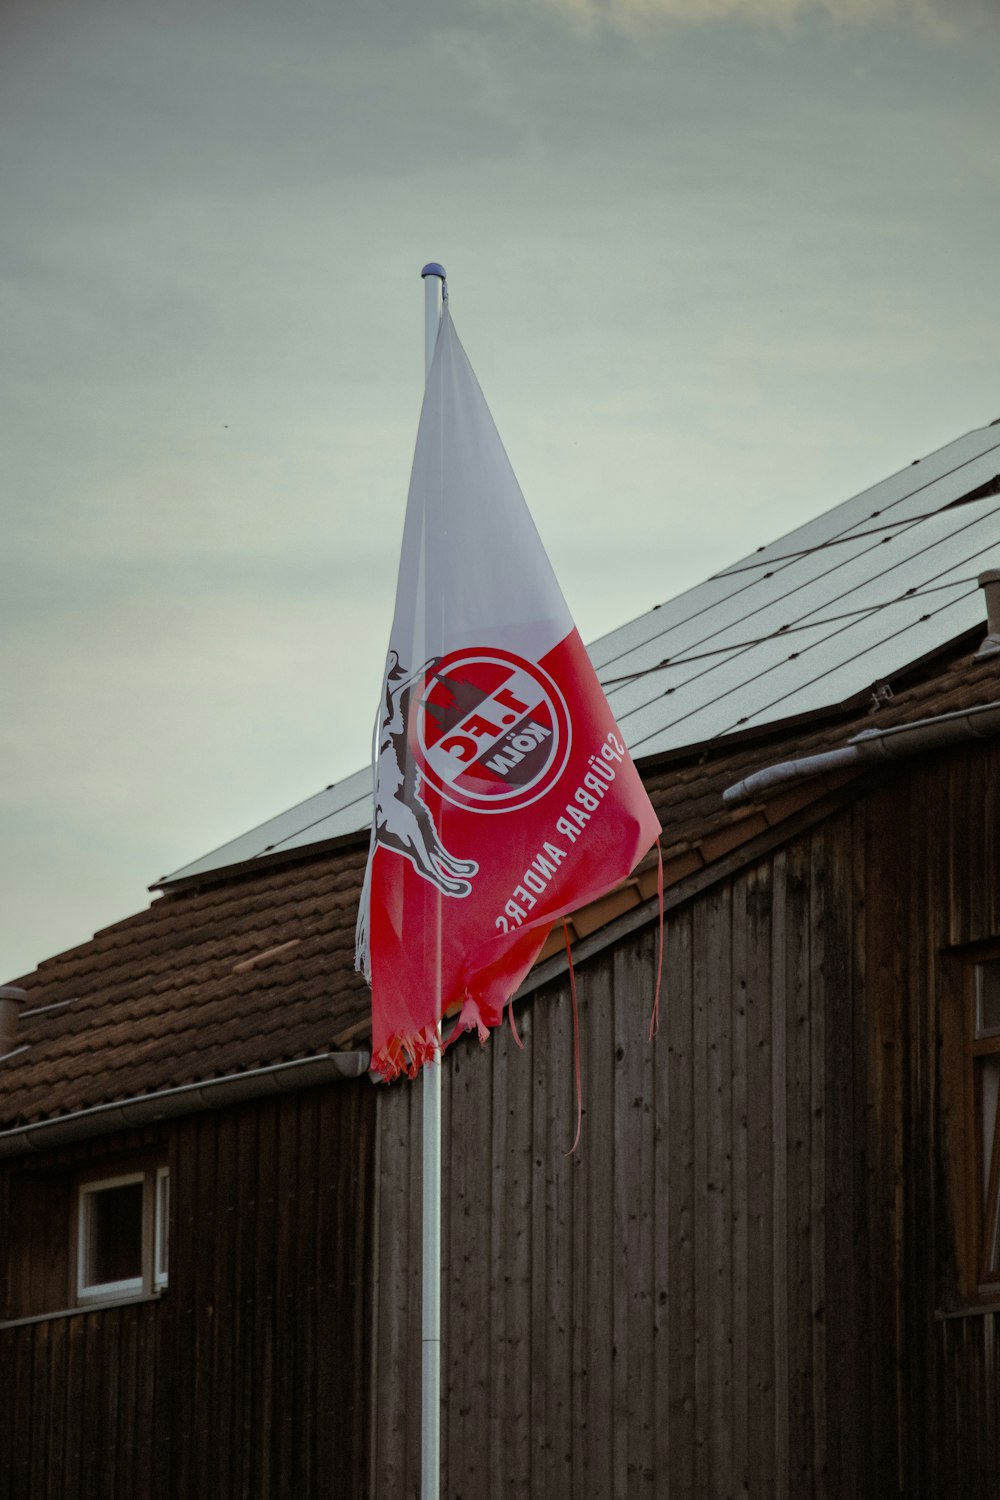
(430, 1386)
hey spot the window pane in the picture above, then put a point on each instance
(989, 1083)
(993, 1243)
(162, 1223)
(113, 1230)
(989, 1100)
(988, 998)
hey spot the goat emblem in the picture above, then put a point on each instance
(403, 821)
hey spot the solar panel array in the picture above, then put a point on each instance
(844, 601)
(836, 606)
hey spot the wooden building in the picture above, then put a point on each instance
(765, 1272)
(772, 1268)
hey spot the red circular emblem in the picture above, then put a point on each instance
(490, 731)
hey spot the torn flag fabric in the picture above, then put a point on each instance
(504, 794)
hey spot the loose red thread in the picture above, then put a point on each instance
(513, 1025)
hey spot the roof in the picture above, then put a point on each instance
(257, 969)
(850, 598)
(200, 985)
(815, 618)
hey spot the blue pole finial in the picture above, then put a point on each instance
(433, 269)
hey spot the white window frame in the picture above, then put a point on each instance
(161, 1228)
(154, 1236)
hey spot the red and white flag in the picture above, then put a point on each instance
(504, 794)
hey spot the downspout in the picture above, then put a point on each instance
(873, 745)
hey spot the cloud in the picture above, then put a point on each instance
(633, 14)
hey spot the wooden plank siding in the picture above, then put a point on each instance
(250, 1376)
(744, 1284)
(737, 1286)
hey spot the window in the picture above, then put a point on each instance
(121, 1235)
(983, 1095)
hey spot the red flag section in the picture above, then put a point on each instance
(504, 794)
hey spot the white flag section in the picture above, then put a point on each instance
(504, 794)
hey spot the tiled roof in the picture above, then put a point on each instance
(203, 983)
(258, 968)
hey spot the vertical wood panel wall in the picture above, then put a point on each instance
(250, 1377)
(734, 1288)
(644, 1317)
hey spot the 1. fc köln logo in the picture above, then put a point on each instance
(484, 730)
(489, 730)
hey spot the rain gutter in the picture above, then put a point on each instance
(188, 1099)
(871, 746)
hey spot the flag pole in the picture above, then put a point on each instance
(430, 1384)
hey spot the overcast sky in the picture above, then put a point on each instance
(718, 264)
